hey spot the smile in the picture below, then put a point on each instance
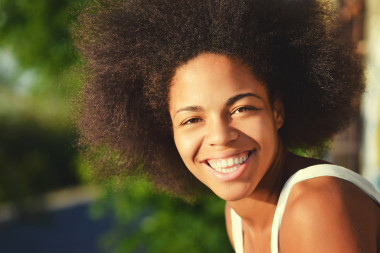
(230, 164)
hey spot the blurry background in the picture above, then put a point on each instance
(47, 202)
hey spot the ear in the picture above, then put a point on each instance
(278, 112)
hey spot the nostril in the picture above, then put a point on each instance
(221, 134)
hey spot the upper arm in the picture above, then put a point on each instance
(227, 214)
(329, 215)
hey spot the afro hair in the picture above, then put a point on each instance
(132, 49)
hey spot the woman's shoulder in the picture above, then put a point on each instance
(329, 214)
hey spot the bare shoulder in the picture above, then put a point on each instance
(227, 214)
(328, 214)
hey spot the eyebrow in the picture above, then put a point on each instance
(234, 99)
(190, 108)
(230, 101)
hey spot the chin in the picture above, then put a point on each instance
(233, 193)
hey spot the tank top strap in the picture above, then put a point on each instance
(237, 231)
(313, 172)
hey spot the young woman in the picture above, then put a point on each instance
(216, 92)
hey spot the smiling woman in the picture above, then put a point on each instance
(216, 92)
(223, 120)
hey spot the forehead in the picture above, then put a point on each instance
(212, 75)
(213, 62)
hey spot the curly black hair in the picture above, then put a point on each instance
(132, 49)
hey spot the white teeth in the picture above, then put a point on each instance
(224, 165)
(227, 170)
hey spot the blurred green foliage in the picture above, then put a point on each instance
(34, 158)
(37, 32)
(38, 79)
(37, 138)
(149, 221)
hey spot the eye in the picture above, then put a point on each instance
(191, 121)
(244, 109)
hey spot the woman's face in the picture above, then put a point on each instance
(224, 126)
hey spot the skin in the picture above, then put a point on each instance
(220, 111)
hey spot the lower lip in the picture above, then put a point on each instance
(225, 177)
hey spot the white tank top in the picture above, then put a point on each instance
(301, 175)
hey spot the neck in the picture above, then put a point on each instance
(258, 209)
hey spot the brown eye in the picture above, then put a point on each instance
(191, 121)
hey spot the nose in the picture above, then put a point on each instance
(220, 133)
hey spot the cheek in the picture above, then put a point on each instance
(259, 128)
(269, 140)
(187, 145)
(263, 131)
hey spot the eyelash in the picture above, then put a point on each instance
(243, 109)
(237, 110)
(191, 121)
